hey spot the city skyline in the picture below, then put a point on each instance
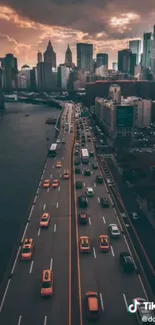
(25, 31)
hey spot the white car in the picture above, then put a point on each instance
(58, 141)
(135, 216)
(114, 231)
(63, 141)
(89, 191)
(109, 181)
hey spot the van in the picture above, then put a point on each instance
(92, 305)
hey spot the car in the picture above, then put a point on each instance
(66, 174)
(77, 162)
(84, 244)
(46, 183)
(77, 171)
(126, 262)
(63, 141)
(87, 172)
(91, 153)
(92, 305)
(44, 220)
(58, 164)
(78, 185)
(55, 183)
(47, 283)
(109, 181)
(83, 217)
(114, 231)
(27, 249)
(94, 166)
(104, 243)
(99, 179)
(104, 202)
(143, 315)
(89, 191)
(82, 200)
(83, 144)
(58, 141)
(135, 216)
(76, 152)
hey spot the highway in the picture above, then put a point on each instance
(101, 272)
(22, 303)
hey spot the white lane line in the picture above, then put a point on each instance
(59, 188)
(44, 207)
(35, 199)
(19, 320)
(141, 282)
(51, 176)
(37, 191)
(51, 264)
(60, 175)
(127, 245)
(39, 231)
(98, 200)
(55, 227)
(111, 199)
(95, 184)
(31, 267)
(45, 320)
(63, 158)
(119, 223)
(53, 166)
(5, 293)
(89, 221)
(125, 301)
(39, 183)
(25, 231)
(104, 220)
(94, 252)
(115, 211)
(106, 188)
(84, 184)
(57, 204)
(101, 299)
(42, 177)
(112, 251)
(48, 190)
(15, 260)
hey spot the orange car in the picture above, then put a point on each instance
(104, 243)
(46, 183)
(84, 244)
(58, 164)
(44, 220)
(55, 183)
(47, 283)
(27, 249)
(66, 174)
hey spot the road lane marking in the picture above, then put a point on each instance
(57, 204)
(106, 188)
(60, 175)
(53, 166)
(48, 190)
(19, 320)
(119, 223)
(115, 211)
(25, 231)
(141, 282)
(112, 251)
(51, 176)
(111, 199)
(127, 245)
(42, 177)
(4, 296)
(89, 221)
(39, 231)
(31, 267)
(94, 252)
(37, 191)
(15, 260)
(44, 207)
(125, 301)
(84, 184)
(39, 183)
(35, 199)
(59, 188)
(45, 320)
(55, 227)
(95, 184)
(98, 200)
(104, 220)
(51, 264)
(101, 299)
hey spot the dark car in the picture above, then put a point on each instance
(87, 172)
(94, 166)
(82, 200)
(99, 179)
(83, 144)
(78, 185)
(83, 218)
(76, 152)
(91, 154)
(77, 162)
(126, 262)
(77, 171)
(104, 202)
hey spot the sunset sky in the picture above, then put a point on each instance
(26, 26)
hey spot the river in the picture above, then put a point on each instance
(23, 148)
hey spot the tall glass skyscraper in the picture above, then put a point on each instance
(85, 56)
(135, 47)
(147, 47)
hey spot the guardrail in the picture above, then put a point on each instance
(143, 268)
(58, 123)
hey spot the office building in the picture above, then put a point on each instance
(50, 55)
(68, 57)
(147, 46)
(101, 59)
(135, 47)
(85, 56)
(124, 60)
(10, 72)
(153, 54)
(114, 66)
(24, 77)
(143, 111)
(63, 76)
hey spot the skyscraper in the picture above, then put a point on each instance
(85, 56)
(68, 57)
(101, 59)
(50, 55)
(135, 47)
(9, 64)
(147, 45)
(39, 57)
(124, 60)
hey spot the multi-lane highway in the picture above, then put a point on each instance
(101, 272)
(22, 303)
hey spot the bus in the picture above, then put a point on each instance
(52, 152)
(85, 156)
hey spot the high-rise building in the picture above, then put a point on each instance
(153, 54)
(63, 76)
(39, 57)
(124, 60)
(50, 55)
(114, 66)
(102, 59)
(135, 47)
(85, 56)
(10, 71)
(147, 46)
(24, 77)
(68, 57)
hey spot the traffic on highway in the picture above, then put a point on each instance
(39, 288)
